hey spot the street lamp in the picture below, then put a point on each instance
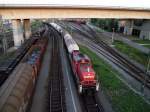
(71, 31)
(4, 40)
(148, 64)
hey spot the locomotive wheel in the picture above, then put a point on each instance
(97, 87)
(80, 89)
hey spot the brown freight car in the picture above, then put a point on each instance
(16, 92)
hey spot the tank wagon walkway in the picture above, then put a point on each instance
(39, 95)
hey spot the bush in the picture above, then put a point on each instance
(106, 24)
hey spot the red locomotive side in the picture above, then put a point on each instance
(83, 71)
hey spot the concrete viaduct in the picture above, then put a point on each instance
(26, 12)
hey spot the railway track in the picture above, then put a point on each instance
(90, 102)
(56, 85)
(114, 57)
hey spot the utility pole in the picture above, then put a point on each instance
(71, 30)
(113, 35)
(148, 65)
(4, 40)
(149, 36)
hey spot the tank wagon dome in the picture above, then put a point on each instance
(57, 27)
(70, 43)
(81, 57)
(67, 36)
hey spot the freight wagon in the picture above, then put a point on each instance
(8, 65)
(16, 92)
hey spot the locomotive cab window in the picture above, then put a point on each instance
(86, 67)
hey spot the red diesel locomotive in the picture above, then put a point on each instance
(83, 71)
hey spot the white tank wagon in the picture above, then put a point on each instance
(70, 43)
(57, 27)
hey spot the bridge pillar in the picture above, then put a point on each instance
(27, 28)
(17, 32)
(128, 27)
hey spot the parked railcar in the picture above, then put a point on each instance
(16, 92)
(7, 66)
(57, 27)
(70, 43)
(35, 54)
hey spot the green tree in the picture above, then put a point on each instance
(35, 25)
(106, 24)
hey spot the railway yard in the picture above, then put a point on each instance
(67, 67)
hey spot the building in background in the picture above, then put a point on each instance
(145, 30)
(126, 26)
(139, 28)
(6, 35)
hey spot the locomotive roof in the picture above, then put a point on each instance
(80, 57)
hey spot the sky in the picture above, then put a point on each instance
(97, 3)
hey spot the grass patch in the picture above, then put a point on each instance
(7, 55)
(123, 99)
(142, 41)
(148, 46)
(133, 37)
(131, 52)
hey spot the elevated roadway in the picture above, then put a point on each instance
(25, 10)
(41, 12)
